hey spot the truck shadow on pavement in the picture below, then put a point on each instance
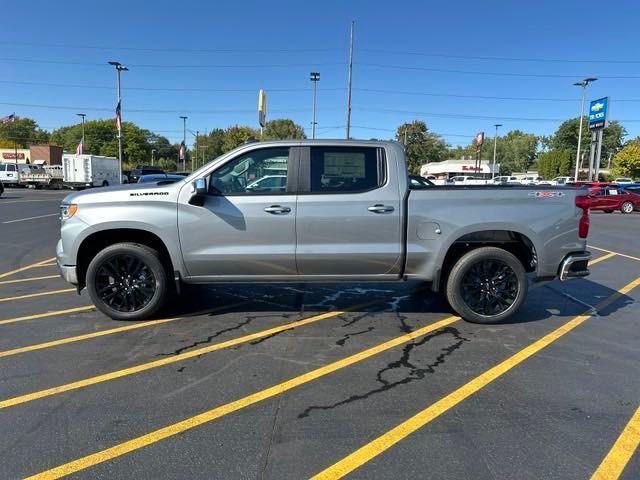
(543, 301)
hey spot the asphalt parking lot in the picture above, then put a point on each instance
(297, 381)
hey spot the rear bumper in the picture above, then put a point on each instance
(574, 265)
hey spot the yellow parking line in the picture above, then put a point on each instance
(31, 279)
(102, 333)
(613, 464)
(617, 253)
(51, 313)
(27, 267)
(47, 264)
(39, 294)
(225, 409)
(166, 360)
(406, 428)
(593, 261)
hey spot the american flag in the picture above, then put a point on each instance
(182, 151)
(118, 117)
(80, 148)
(8, 118)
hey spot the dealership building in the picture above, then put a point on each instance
(36, 154)
(452, 168)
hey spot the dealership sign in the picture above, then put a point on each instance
(598, 112)
(12, 156)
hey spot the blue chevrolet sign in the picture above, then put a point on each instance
(598, 113)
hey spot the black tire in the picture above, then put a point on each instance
(127, 281)
(498, 297)
(105, 183)
(626, 207)
(608, 211)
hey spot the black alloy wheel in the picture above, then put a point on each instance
(489, 287)
(125, 283)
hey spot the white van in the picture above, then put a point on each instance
(10, 173)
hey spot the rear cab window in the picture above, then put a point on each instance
(346, 169)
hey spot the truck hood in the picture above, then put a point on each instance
(121, 192)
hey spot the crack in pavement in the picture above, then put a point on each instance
(347, 336)
(415, 373)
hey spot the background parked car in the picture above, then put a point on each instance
(1, 188)
(623, 181)
(141, 170)
(160, 178)
(632, 187)
(610, 198)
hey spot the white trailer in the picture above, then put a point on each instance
(80, 171)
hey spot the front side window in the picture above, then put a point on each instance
(259, 172)
(345, 169)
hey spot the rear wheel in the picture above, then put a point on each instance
(127, 281)
(487, 285)
(608, 211)
(626, 207)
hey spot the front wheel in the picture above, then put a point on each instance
(626, 207)
(127, 281)
(487, 285)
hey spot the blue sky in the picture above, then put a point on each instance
(212, 57)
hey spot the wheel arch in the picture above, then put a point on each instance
(516, 242)
(97, 241)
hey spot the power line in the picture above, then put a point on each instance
(472, 117)
(183, 50)
(165, 89)
(136, 110)
(499, 74)
(484, 97)
(508, 59)
(173, 65)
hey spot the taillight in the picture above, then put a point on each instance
(583, 202)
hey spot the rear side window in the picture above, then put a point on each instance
(346, 169)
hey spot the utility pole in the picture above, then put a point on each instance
(119, 68)
(82, 115)
(196, 159)
(204, 149)
(349, 81)
(184, 142)
(582, 84)
(153, 156)
(495, 147)
(315, 78)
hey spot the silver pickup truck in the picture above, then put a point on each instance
(315, 210)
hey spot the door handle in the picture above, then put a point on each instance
(277, 209)
(379, 208)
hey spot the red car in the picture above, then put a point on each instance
(610, 198)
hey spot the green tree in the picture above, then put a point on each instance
(236, 135)
(554, 163)
(626, 162)
(22, 132)
(283, 129)
(421, 145)
(213, 143)
(167, 164)
(566, 137)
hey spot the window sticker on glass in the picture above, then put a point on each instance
(344, 164)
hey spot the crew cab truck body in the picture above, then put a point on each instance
(346, 213)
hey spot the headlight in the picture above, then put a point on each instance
(68, 210)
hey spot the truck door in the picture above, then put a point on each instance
(243, 227)
(348, 220)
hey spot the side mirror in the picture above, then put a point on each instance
(199, 186)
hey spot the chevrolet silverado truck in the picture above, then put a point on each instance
(344, 211)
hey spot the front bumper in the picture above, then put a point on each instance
(67, 272)
(574, 265)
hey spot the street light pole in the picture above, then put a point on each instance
(349, 81)
(582, 84)
(153, 156)
(495, 147)
(82, 115)
(119, 68)
(314, 77)
(184, 141)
